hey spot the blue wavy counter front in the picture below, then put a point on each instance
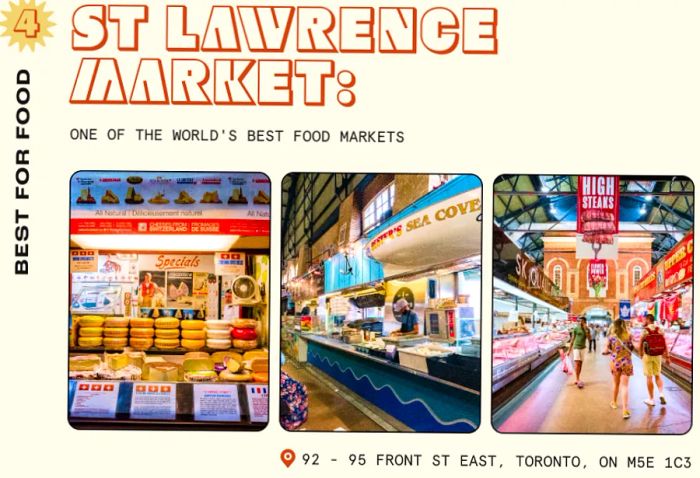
(422, 402)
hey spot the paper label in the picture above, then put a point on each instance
(258, 402)
(153, 401)
(95, 400)
(216, 402)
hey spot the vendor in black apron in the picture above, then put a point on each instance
(408, 318)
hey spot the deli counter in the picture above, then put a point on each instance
(427, 385)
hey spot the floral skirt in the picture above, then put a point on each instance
(622, 365)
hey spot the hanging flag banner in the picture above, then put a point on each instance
(598, 208)
(625, 310)
(598, 276)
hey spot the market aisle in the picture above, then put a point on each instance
(553, 403)
(328, 410)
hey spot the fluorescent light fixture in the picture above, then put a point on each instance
(648, 197)
(155, 242)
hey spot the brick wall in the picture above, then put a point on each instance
(409, 187)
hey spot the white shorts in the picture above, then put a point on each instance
(578, 354)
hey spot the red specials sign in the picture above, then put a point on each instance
(678, 263)
(598, 208)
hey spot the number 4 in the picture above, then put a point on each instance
(27, 23)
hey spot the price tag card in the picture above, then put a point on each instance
(258, 402)
(154, 401)
(216, 402)
(95, 400)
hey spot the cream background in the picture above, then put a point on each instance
(578, 87)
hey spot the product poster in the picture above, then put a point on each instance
(313, 238)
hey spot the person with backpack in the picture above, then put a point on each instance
(652, 348)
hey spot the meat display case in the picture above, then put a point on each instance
(517, 354)
(680, 347)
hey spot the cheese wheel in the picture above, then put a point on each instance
(116, 331)
(219, 343)
(218, 334)
(90, 341)
(192, 324)
(223, 357)
(244, 344)
(141, 332)
(235, 377)
(141, 343)
(142, 322)
(116, 322)
(167, 323)
(91, 321)
(91, 331)
(192, 344)
(197, 364)
(218, 324)
(196, 355)
(257, 365)
(244, 334)
(167, 333)
(260, 377)
(167, 343)
(201, 376)
(115, 342)
(193, 334)
(252, 354)
(244, 323)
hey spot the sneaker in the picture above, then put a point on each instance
(662, 399)
(626, 414)
(580, 384)
(613, 405)
(649, 402)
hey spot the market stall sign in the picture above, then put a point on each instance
(83, 260)
(229, 263)
(678, 263)
(95, 400)
(598, 208)
(441, 233)
(170, 203)
(530, 277)
(176, 262)
(646, 287)
(598, 276)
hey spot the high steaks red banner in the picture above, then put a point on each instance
(598, 208)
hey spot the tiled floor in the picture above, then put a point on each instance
(328, 410)
(553, 403)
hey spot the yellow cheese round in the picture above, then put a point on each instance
(235, 377)
(193, 334)
(115, 342)
(167, 323)
(218, 334)
(90, 341)
(219, 343)
(91, 321)
(141, 332)
(197, 364)
(222, 357)
(116, 322)
(90, 331)
(252, 354)
(167, 343)
(142, 322)
(244, 344)
(218, 324)
(244, 323)
(167, 333)
(196, 355)
(192, 344)
(192, 324)
(116, 331)
(141, 343)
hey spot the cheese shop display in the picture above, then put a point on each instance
(142, 317)
(392, 310)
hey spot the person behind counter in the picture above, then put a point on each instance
(408, 318)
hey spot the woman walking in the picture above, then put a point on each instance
(620, 348)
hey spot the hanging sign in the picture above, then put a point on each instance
(598, 276)
(598, 208)
(625, 310)
(678, 263)
(229, 263)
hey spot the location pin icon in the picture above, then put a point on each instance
(287, 456)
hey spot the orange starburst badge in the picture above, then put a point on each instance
(27, 24)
